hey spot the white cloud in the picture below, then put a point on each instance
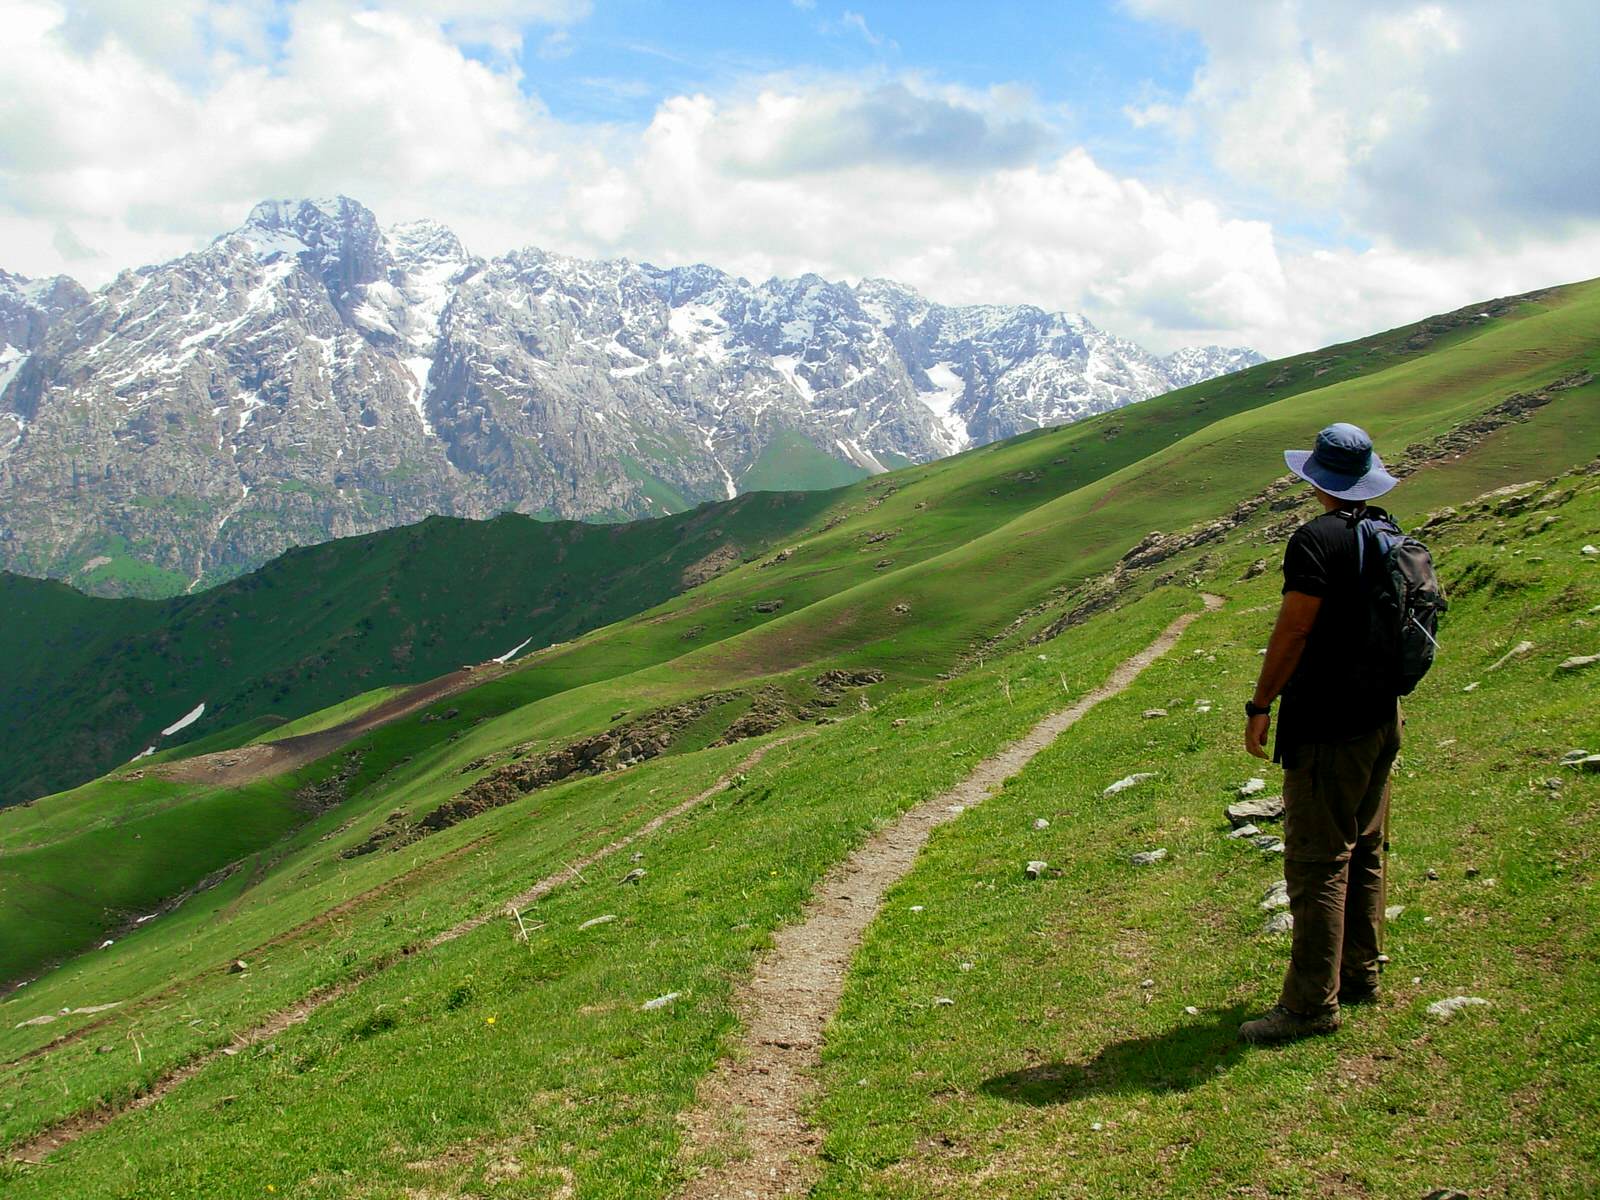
(1456, 125)
(856, 23)
(108, 150)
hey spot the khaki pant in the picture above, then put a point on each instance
(1335, 821)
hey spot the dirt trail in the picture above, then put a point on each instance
(751, 1105)
(246, 764)
(52, 1139)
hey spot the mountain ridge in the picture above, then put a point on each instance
(313, 374)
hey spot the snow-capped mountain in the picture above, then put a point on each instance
(312, 374)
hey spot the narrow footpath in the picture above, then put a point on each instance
(749, 1110)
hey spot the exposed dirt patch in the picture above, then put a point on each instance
(751, 1105)
(232, 768)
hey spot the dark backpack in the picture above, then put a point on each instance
(1403, 601)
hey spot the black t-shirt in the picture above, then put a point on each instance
(1325, 700)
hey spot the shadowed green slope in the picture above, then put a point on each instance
(90, 682)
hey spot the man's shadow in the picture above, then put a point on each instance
(1174, 1061)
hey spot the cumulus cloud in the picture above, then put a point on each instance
(825, 129)
(968, 196)
(1448, 125)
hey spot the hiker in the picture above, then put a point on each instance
(1338, 735)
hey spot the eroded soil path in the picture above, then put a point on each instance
(49, 1140)
(260, 760)
(749, 1111)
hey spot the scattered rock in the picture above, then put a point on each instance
(1035, 868)
(632, 876)
(1471, 687)
(1191, 1010)
(1516, 651)
(593, 921)
(1040, 823)
(1147, 983)
(1446, 1194)
(1254, 569)
(1268, 844)
(1393, 912)
(966, 966)
(1590, 551)
(1245, 831)
(1473, 872)
(1552, 783)
(1147, 858)
(768, 606)
(1276, 896)
(41, 1019)
(661, 1001)
(1578, 661)
(943, 1001)
(882, 563)
(636, 856)
(898, 723)
(918, 907)
(1433, 873)
(1451, 1005)
(902, 609)
(1251, 786)
(1573, 756)
(1590, 763)
(1264, 808)
(1151, 714)
(1279, 922)
(238, 966)
(1128, 781)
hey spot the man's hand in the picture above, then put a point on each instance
(1255, 734)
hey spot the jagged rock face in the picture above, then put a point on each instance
(312, 375)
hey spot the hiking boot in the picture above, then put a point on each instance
(1281, 1025)
(1357, 993)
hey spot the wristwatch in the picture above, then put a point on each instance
(1252, 709)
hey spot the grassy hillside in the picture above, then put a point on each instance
(488, 1062)
(91, 682)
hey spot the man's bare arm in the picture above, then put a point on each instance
(1296, 616)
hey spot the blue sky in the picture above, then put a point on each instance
(1082, 61)
(1278, 174)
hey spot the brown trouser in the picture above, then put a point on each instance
(1336, 814)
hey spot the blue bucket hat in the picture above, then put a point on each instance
(1344, 464)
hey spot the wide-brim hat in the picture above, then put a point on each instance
(1343, 464)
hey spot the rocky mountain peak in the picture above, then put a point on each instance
(338, 240)
(425, 244)
(313, 375)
